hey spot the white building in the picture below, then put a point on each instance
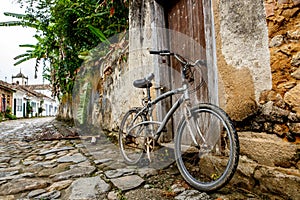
(30, 100)
(19, 103)
(20, 79)
(49, 104)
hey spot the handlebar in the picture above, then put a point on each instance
(149, 77)
(178, 57)
(162, 53)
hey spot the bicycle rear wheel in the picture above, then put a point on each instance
(212, 162)
(132, 140)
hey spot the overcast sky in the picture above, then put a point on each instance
(10, 39)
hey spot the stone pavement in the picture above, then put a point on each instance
(82, 169)
(76, 169)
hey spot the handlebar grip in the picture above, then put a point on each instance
(160, 52)
(154, 52)
(149, 77)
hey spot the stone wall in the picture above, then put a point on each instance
(65, 108)
(284, 32)
(101, 90)
(279, 108)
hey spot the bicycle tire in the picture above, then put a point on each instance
(131, 145)
(207, 169)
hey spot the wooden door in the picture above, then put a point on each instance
(187, 37)
(186, 17)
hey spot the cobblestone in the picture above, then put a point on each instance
(76, 169)
(70, 169)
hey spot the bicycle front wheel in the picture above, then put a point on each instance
(207, 148)
(131, 138)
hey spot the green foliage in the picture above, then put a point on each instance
(40, 110)
(8, 110)
(98, 33)
(120, 195)
(85, 94)
(65, 31)
(8, 114)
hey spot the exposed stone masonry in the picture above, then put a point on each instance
(279, 109)
(97, 97)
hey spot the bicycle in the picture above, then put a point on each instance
(206, 143)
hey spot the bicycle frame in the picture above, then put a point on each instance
(171, 111)
(184, 98)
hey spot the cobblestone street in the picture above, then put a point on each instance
(67, 169)
(78, 169)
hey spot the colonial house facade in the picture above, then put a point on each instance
(49, 104)
(24, 100)
(6, 95)
(19, 103)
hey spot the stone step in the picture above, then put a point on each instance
(268, 149)
(268, 164)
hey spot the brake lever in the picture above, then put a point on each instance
(200, 62)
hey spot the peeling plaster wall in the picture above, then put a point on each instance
(147, 32)
(244, 36)
(243, 55)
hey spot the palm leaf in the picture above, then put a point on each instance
(19, 23)
(27, 45)
(22, 60)
(12, 23)
(98, 33)
(16, 15)
(22, 55)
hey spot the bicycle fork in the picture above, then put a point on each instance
(192, 125)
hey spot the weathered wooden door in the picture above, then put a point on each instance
(185, 20)
(187, 37)
(186, 17)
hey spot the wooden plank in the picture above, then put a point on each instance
(187, 22)
(212, 71)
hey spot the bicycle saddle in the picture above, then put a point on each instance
(145, 82)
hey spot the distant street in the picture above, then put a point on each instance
(17, 129)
